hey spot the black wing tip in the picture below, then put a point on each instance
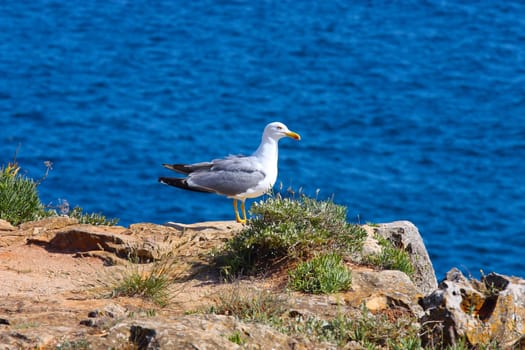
(180, 168)
(181, 183)
(168, 166)
(172, 181)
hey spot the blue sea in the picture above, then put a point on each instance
(411, 110)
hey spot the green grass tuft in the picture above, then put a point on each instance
(148, 281)
(143, 285)
(79, 344)
(91, 218)
(391, 258)
(19, 201)
(286, 229)
(368, 330)
(249, 305)
(237, 338)
(323, 274)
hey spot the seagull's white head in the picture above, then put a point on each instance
(278, 130)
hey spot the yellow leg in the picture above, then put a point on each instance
(243, 212)
(237, 217)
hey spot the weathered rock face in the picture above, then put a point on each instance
(381, 290)
(6, 226)
(404, 234)
(197, 332)
(490, 310)
(143, 242)
(50, 290)
(8, 234)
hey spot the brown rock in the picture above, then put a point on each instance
(50, 223)
(9, 234)
(50, 288)
(86, 238)
(370, 245)
(34, 228)
(181, 240)
(6, 226)
(380, 290)
(105, 317)
(197, 332)
(481, 311)
(82, 238)
(38, 292)
(404, 234)
(144, 242)
(54, 292)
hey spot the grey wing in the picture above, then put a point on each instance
(228, 183)
(190, 168)
(236, 163)
(230, 177)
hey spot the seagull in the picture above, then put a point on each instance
(236, 177)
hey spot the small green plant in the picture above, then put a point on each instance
(143, 285)
(435, 336)
(409, 342)
(249, 305)
(149, 281)
(289, 229)
(461, 344)
(237, 338)
(368, 330)
(391, 258)
(80, 344)
(19, 201)
(150, 312)
(27, 325)
(323, 274)
(91, 218)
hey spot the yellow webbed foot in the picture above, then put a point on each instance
(237, 216)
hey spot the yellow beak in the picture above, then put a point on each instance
(293, 135)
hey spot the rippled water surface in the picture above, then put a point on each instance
(411, 111)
